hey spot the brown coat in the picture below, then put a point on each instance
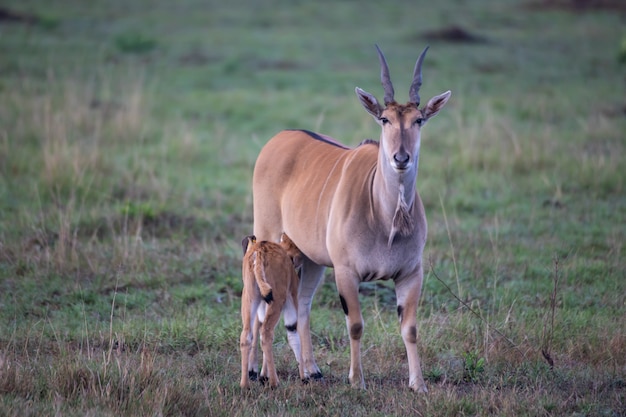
(270, 286)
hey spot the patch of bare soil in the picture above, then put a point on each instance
(453, 34)
(281, 65)
(578, 5)
(10, 16)
(195, 58)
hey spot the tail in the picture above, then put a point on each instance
(259, 275)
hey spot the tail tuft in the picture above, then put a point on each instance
(259, 275)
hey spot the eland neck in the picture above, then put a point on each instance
(394, 196)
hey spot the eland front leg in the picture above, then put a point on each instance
(348, 287)
(407, 294)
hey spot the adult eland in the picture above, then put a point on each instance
(355, 210)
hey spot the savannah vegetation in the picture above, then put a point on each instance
(128, 135)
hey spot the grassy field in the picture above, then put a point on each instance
(128, 135)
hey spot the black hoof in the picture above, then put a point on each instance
(263, 379)
(316, 376)
(253, 375)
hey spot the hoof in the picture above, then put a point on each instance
(263, 379)
(358, 385)
(253, 375)
(316, 376)
(419, 388)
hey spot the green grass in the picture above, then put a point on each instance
(128, 135)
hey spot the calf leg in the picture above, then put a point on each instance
(258, 338)
(248, 318)
(407, 294)
(268, 371)
(253, 362)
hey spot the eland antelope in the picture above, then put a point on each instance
(270, 286)
(356, 210)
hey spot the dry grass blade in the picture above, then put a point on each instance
(475, 313)
(548, 325)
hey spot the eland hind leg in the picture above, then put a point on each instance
(310, 278)
(290, 317)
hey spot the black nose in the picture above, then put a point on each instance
(401, 159)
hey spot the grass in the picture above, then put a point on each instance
(128, 135)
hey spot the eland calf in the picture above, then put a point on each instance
(270, 286)
(356, 210)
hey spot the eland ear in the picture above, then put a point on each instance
(436, 103)
(369, 102)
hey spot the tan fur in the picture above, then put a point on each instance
(270, 285)
(356, 210)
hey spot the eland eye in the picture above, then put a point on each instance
(419, 121)
(384, 120)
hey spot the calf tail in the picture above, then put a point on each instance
(259, 275)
